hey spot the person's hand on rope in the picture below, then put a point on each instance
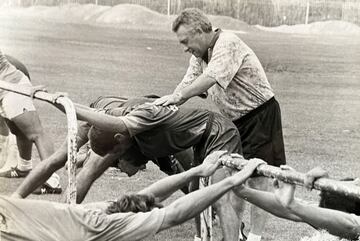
(241, 176)
(211, 163)
(312, 175)
(35, 89)
(234, 161)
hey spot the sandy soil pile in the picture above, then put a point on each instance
(135, 16)
(124, 15)
(334, 27)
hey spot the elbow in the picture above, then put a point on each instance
(173, 216)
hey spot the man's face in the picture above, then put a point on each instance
(192, 40)
(127, 167)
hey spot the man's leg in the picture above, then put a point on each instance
(229, 220)
(258, 216)
(4, 143)
(28, 129)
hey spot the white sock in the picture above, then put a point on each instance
(53, 181)
(13, 158)
(24, 165)
(253, 237)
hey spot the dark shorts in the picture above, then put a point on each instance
(221, 135)
(261, 134)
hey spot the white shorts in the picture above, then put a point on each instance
(13, 105)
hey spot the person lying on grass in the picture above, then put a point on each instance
(131, 217)
(337, 214)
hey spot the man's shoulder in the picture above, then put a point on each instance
(229, 39)
(228, 36)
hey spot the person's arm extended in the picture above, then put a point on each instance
(163, 188)
(266, 201)
(335, 222)
(100, 120)
(198, 87)
(42, 172)
(192, 204)
(94, 118)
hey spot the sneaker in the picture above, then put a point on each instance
(46, 189)
(14, 172)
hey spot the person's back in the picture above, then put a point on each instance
(161, 131)
(34, 220)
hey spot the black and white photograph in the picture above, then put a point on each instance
(179, 120)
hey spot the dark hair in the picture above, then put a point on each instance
(101, 142)
(133, 203)
(192, 17)
(339, 202)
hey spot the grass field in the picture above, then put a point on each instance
(316, 80)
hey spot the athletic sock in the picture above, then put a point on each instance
(253, 237)
(53, 181)
(13, 157)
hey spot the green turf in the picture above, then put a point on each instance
(315, 78)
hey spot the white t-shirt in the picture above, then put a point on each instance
(35, 220)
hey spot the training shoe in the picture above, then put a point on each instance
(14, 172)
(46, 189)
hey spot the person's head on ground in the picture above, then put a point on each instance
(133, 203)
(194, 31)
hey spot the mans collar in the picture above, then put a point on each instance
(207, 55)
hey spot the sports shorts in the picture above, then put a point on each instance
(13, 105)
(261, 134)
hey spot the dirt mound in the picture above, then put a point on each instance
(133, 15)
(124, 15)
(334, 27)
(225, 22)
(65, 13)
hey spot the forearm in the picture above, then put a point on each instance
(42, 172)
(198, 87)
(100, 120)
(167, 186)
(335, 222)
(266, 201)
(95, 166)
(192, 204)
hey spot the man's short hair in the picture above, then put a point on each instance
(101, 142)
(339, 202)
(133, 203)
(192, 17)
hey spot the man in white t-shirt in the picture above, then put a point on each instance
(131, 217)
